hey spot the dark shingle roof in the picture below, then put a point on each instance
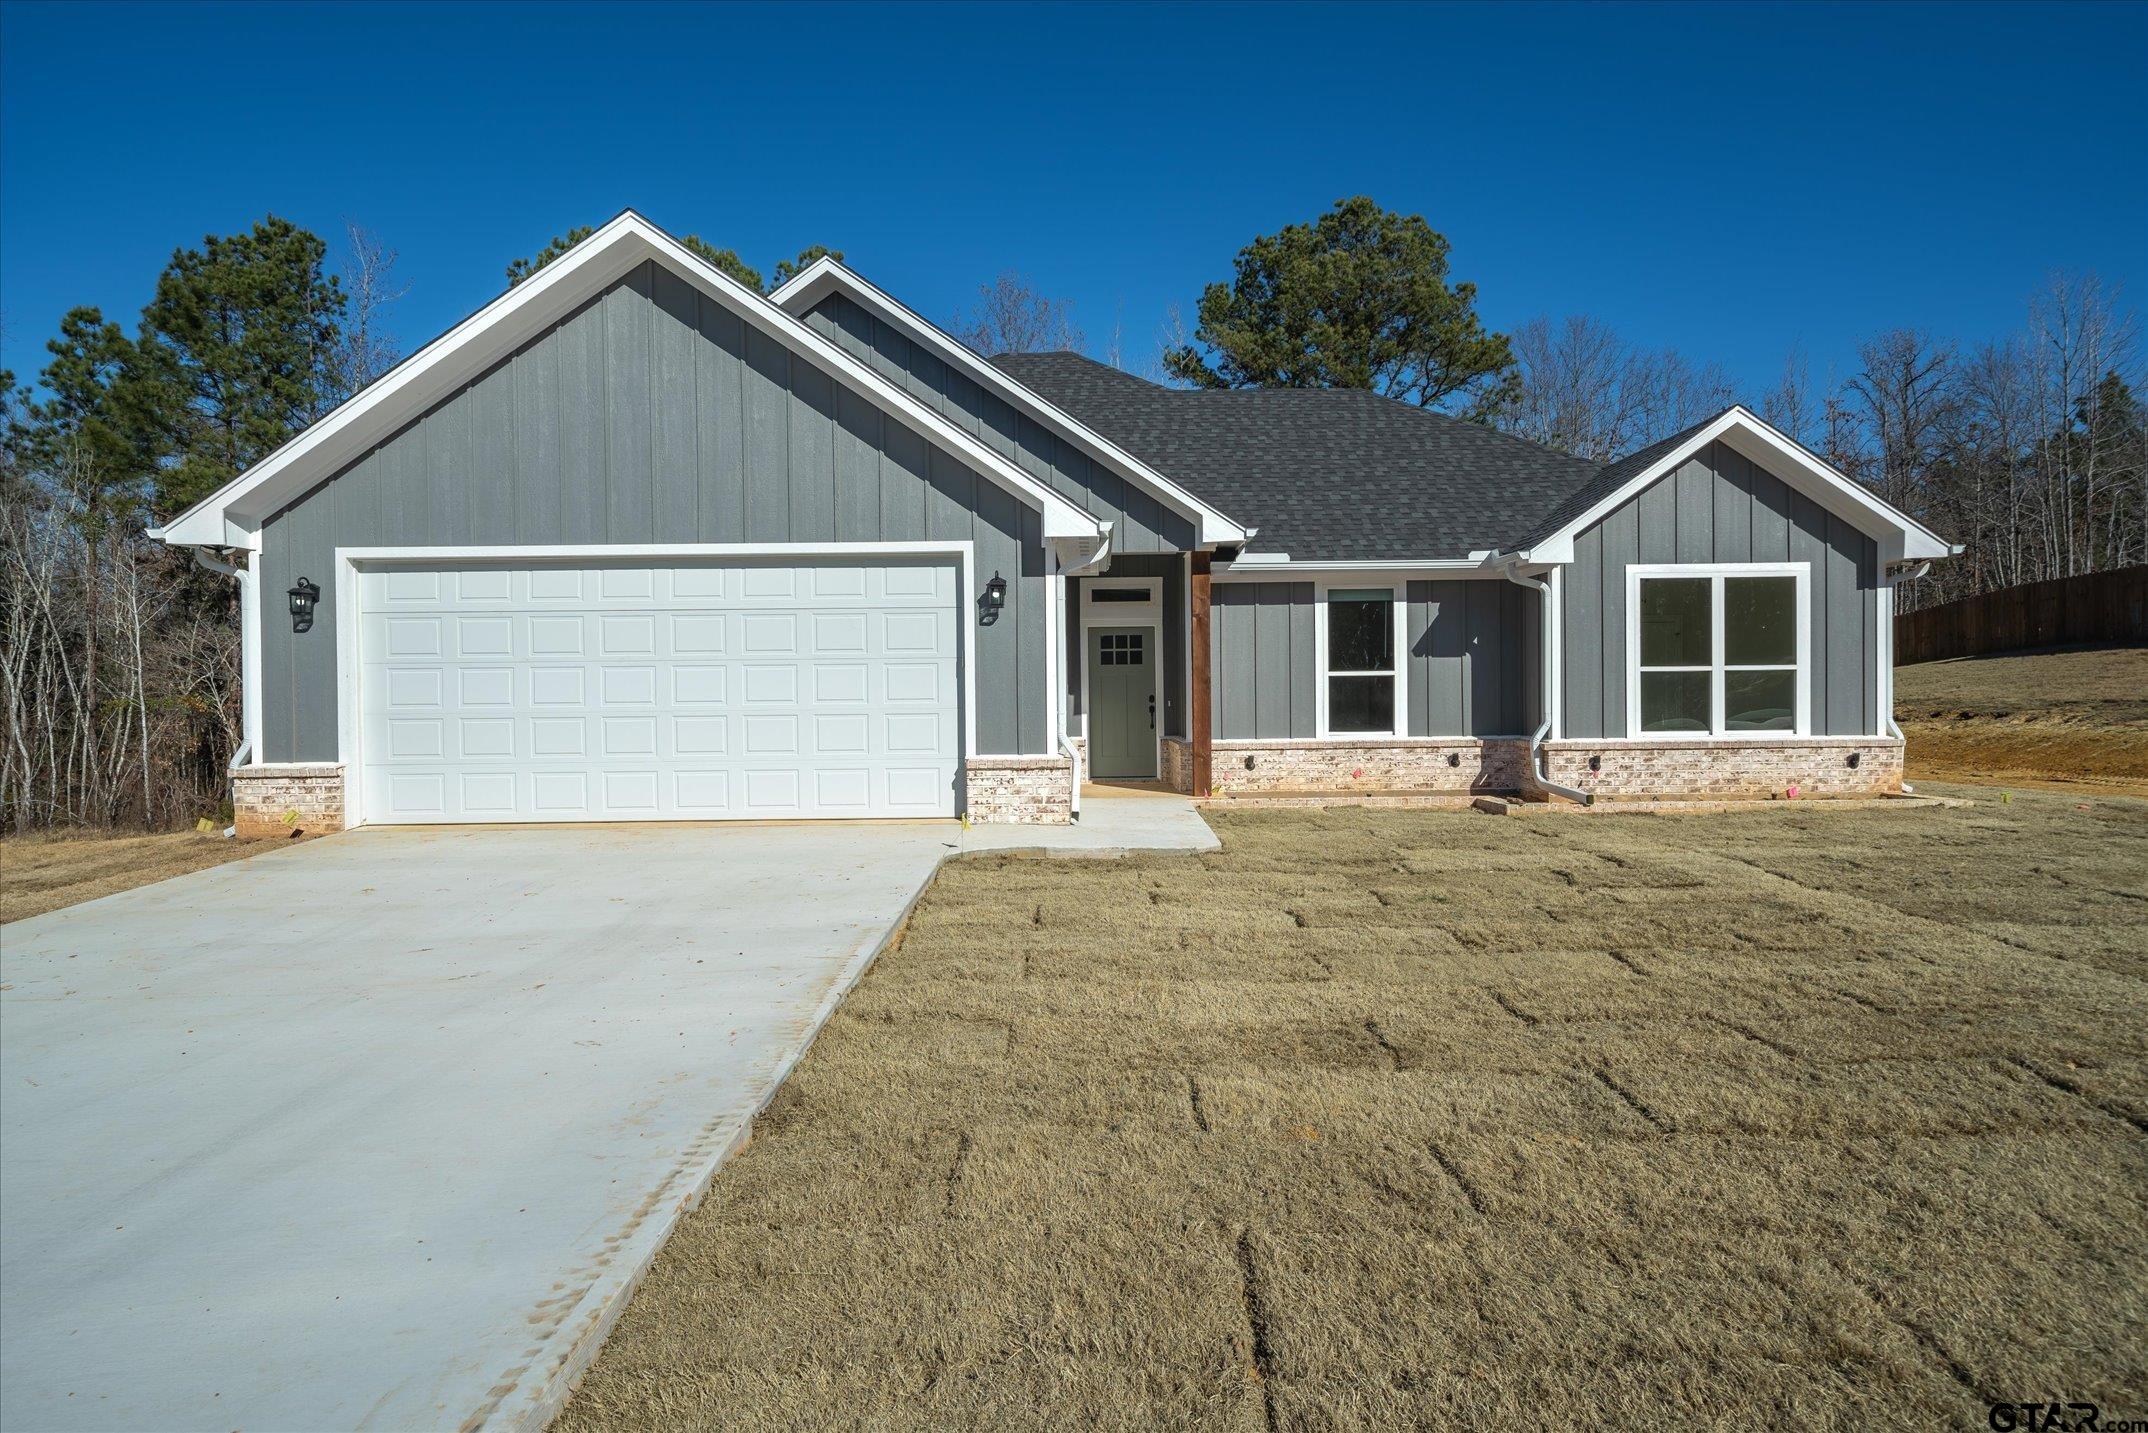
(1324, 473)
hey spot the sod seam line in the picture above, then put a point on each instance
(2066, 1086)
(1257, 1325)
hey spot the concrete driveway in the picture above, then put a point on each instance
(378, 1131)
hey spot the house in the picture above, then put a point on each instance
(635, 542)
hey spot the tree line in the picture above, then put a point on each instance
(119, 659)
(2028, 449)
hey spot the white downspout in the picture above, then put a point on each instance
(1548, 652)
(249, 657)
(1894, 728)
(1073, 752)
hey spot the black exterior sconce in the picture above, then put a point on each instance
(303, 598)
(994, 600)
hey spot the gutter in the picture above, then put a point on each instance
(1547, 652)
(1894, 728)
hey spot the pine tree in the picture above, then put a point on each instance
(235, 355)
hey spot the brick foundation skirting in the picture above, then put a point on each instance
(1020, 790)
(1817, 766)
(1175, 764)
(280, 800)
(1379, 764)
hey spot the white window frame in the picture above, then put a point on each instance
(1399, 672)
(1715, 572)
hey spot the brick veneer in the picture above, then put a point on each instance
(278, 800)
(1020, 790)
(1175, 764)
(1817, 766)
(1377, 764)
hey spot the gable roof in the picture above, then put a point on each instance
(1609, 479)
(799, 294)
(1343, 475)
(232, 515)
(1327, 474)
(1900, 536)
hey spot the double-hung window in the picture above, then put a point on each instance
(1361, 671)
(1717, 650)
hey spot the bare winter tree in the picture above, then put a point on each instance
(1791, 405)
(1584, 390)
(1013, 317)
(2030, 451)
(1906, 393)
(367, 350)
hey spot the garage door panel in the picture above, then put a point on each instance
(616, 692)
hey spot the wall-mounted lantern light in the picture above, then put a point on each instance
(994, 599)
(303, 598)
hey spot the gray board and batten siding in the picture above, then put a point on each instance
(1472, 666)
(1721, 507)
(652, 414)
(1141, 523)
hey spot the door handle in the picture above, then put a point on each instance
(1152, 711)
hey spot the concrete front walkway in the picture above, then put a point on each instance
(380, 1130)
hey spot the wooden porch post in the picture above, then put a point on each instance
(1198, 721)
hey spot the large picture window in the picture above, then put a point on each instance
(1717, 651)
(1360, 672)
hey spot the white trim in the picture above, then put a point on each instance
(824, 275)
(235, 511)
(1054, 652)
(1148, 614)
(250, 678)
(1148, 609)
(350, 615)
(1554, 693)
(1902, 536)
(1714, 573)
(1398, 622)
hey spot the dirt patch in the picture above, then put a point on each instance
(2068, 719)
(44, 873)
(1759, 1118)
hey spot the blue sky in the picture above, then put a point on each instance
(1731, 180)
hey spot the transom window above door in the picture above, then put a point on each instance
(1718, 651)
(1361, 663)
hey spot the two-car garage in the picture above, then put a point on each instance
(581, 689)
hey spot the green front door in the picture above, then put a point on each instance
(1122, 701)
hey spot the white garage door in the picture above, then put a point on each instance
(617, 692)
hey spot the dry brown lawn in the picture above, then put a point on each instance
(1380, 1119)
(2064, 719)
(44, 873)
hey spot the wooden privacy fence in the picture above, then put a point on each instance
(2101, 607)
